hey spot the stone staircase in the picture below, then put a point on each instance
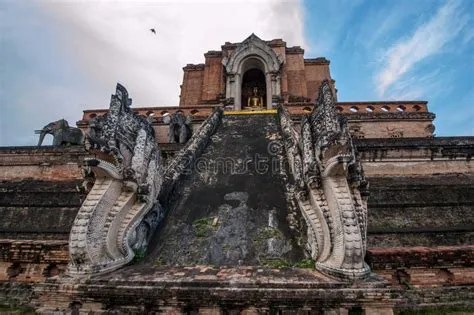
(231, 209)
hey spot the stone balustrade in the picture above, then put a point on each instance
(197, 111)
(413, 117)
(382, 107)
(366, 107)
(202, 111)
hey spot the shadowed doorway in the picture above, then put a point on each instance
(254, 90)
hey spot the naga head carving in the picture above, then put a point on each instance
(333, 147)
(121, 94)
(123, 143)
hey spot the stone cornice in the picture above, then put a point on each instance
(213, 54)
(392, 116)
(73, 149)
(278, 42)
(443, 148)
(382, 116)
(294, 50)
(437, 142)
(317, 61)
(194, 67)
(229, 45)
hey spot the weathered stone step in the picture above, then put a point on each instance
(222, 213)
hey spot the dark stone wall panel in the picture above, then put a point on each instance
(435, 210)
(423, 218)
(410, 195)
(37, 193)
(36, 220)
(434, 238)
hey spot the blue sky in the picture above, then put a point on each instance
(400, 50)
(58, 58)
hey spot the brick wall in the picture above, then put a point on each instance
(32, 261)
(295, 73)
(191, 89)
(315, 72)
(45, 163)
(213, 83)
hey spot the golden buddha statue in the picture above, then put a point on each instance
(254, 100)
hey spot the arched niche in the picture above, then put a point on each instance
(253, 53)
(253, 82)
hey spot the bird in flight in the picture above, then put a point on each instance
(153, 30)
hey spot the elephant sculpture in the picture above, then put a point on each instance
(179, 129)
(62, 133)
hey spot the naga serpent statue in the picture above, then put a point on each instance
(121, 210)
(331, 189)
(130, 188)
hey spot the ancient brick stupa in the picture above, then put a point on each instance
(259, 193)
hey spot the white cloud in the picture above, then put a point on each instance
(113, 42)
(415, 87)
(427, 40)
(58, 58)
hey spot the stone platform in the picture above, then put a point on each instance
(208, 290)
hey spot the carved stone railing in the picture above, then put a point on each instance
(391, 109)
(330, 186)
(154, 114)
(126, 170)
(354, 110)
(382, 107)
(184, 160)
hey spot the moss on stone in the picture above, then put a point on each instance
(159, 261)
(16, 310)
(139, 255)
(203, 226)
(266, 234)
(275, 263)
(304, 263)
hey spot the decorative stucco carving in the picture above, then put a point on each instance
(331, 187)
(110, 226)
(253, 46)
(186, 157)
(356, 132)
(391, 116)
(250, 54)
